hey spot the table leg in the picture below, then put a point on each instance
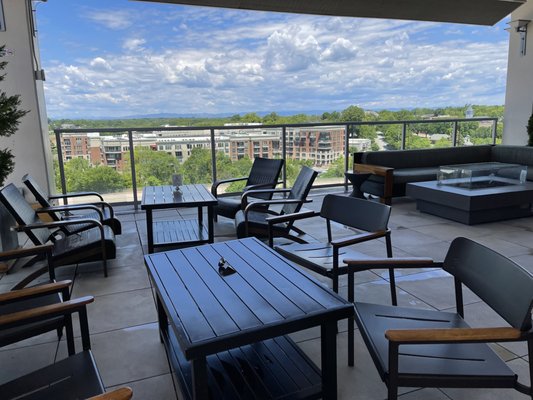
(329, 360)
(161, 318)
(200, 215)
(149, 230)
(200, 389)
(210, 224)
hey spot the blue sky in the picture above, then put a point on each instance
(121, 58)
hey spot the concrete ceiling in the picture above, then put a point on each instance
(478, 12)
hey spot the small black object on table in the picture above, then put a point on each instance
(356, 179)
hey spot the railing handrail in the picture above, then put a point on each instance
(245, 127)
(211, 129)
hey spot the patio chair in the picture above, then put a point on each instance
(75, 377)
(263, 175)
(101, 211)
(255, 217)
(427, 348)
(21, 299)
(95, 244)
(370, 219)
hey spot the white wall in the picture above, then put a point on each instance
(519, 94)
(30, 144)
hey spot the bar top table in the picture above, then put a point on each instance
(179, 231)
(223, 309)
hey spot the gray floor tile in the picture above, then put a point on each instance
(156, 388)
(119, 280)
(129, 354)
(20, 361)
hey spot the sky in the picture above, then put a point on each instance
(124, 58)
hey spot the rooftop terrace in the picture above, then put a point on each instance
(124, 333)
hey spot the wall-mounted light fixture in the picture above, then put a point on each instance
(520, 26)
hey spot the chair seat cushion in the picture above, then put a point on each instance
(228, 206)
(319, 256)
(257, 225)
(113, 223)
(84, 246)
(446, 362)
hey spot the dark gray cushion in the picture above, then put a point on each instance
(515, 155)
(427, 157)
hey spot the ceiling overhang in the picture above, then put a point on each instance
(477, 12)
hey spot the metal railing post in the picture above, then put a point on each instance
(404, 135)
(346, 154)
(133, 172)
(213, 157)
(454, 136)
(61, 164)
(284, 153)
(494, 130)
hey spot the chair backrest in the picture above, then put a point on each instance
(357, 213)
(23, 213)
(265, 171)
(300, 189)
(502, 284)
(39, 195)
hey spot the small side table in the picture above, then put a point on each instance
(356, 179)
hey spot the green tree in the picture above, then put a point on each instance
(80, 176)
(352, 113)
(152, 168)
(335, 170)
(10, 117)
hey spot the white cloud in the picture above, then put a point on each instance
(133, 44)
(277, 62)
(112, 19)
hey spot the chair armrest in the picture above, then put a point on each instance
(246, 194)
(76, 194)
(44, 312)
(457, 335)
(386, 172)
(124, 393)
(35, 291)
(359, 238)
(216, 184)
(260, 185)
(73, 207)
(292, 217)
(382, 263)
(57, 224)
(255, 204)
(25, 252)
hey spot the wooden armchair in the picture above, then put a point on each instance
(263, 175)
(412, 347)
(257, 219)
(75, 377)
(95, 244)
(100, 210)
(370, 219)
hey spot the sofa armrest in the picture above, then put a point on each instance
(386, 172)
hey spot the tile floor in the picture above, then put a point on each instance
(122, 319)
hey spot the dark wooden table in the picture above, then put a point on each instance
(178, 232)
(224, 333)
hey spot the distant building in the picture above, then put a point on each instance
(469, 113)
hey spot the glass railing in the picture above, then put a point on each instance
(119, 162)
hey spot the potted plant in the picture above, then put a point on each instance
(10, 116)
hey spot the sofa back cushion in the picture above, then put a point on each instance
(426, 157)
(522, 155)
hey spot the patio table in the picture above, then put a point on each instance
(183, 232)
(223, 311)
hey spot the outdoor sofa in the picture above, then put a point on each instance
(390, 171)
